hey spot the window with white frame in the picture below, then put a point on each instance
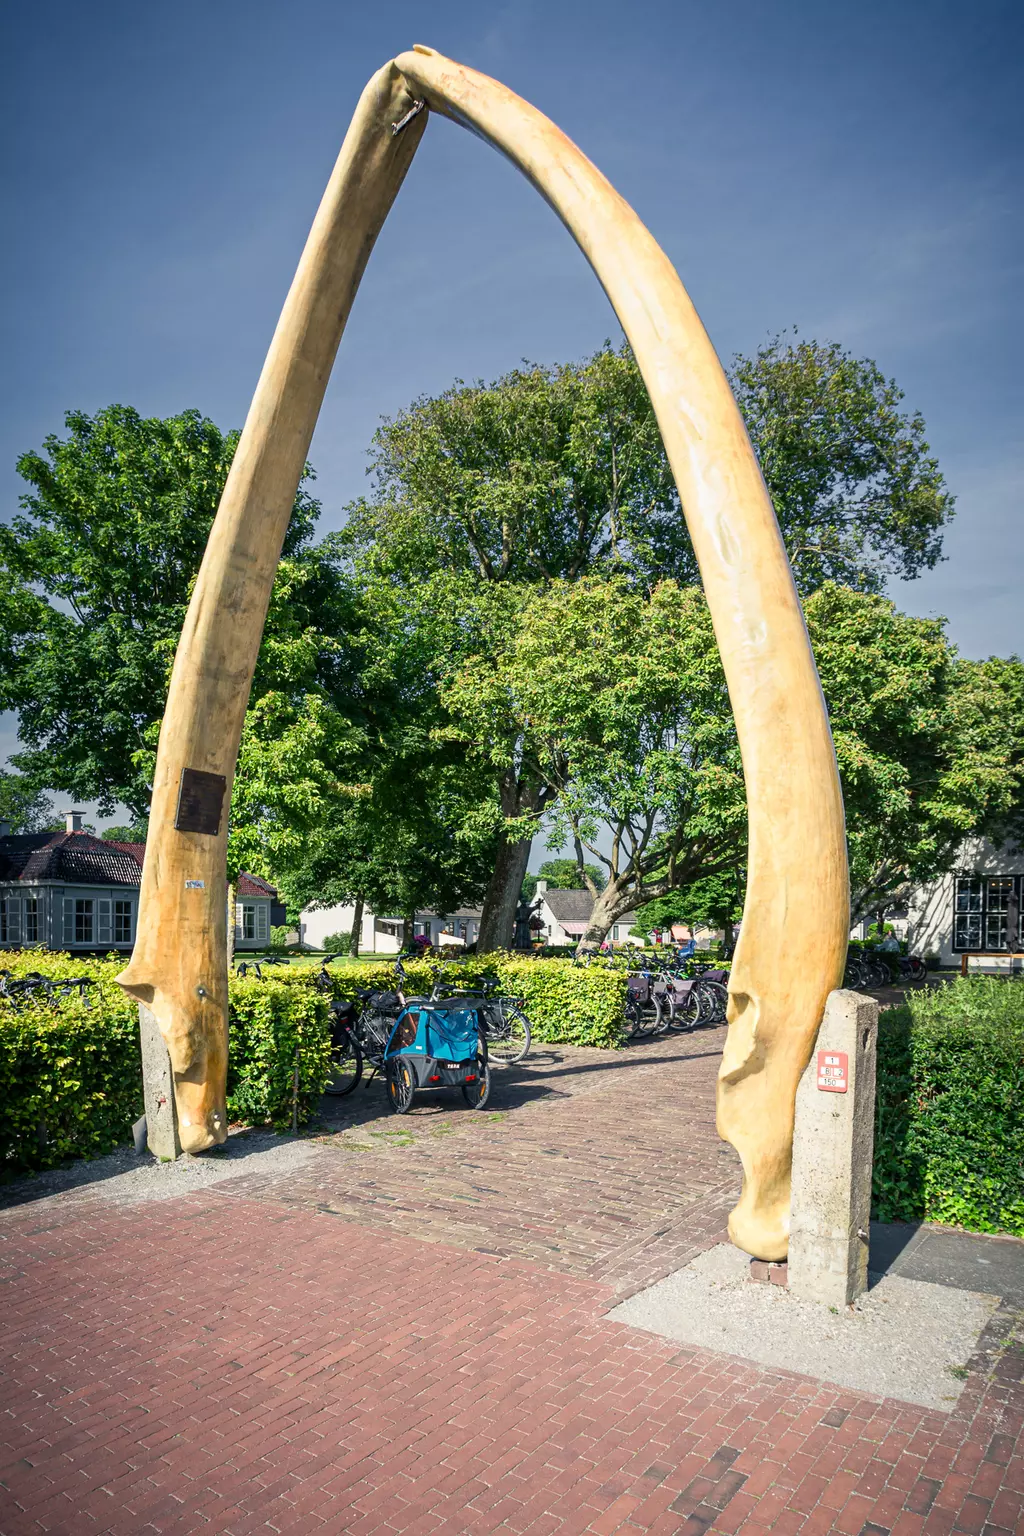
(30, 924)
(79, 920)
(983, 906)
(123, 926)
(10, 920)
(251, 921)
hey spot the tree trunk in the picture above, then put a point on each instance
(408, 929)
(357, 928)
(497, 921)
(610, 905)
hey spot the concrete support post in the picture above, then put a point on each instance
(158, 1087)
(833, 1148)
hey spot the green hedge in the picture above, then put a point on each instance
(949, 1133)
(567, 1004)
(71, 1077)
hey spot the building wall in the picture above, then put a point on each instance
(930, 909)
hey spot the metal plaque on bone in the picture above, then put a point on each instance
(200, 801)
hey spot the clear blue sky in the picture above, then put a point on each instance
(852, 169)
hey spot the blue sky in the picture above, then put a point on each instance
(851, 169)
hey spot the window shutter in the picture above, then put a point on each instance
(104, 934)
(239, 920)
(14, 919)
(262, 932)
(69, 920)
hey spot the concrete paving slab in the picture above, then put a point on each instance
(905, 1339)
(970, 1261)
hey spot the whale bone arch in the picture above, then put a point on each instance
(792, 944)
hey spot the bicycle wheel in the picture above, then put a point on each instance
(650, 1016)
(401, 1085)
(477, 1093)
(346, 1065)
(632, 1018)
(509, 1041)
(683, 1010)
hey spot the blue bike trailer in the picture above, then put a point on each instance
(439, 1043)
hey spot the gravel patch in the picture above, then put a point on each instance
(906, 1339)
(126, 1178)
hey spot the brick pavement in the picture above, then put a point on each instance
(409, 1335)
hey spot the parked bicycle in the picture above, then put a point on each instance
(413, 1042)
(35, 987)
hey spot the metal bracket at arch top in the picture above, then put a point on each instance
(414, 111)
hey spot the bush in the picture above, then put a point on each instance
(71, 1077)
(949, 1129)
(567, 1004)
(276, 1025)
(337, 944)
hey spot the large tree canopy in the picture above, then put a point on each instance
(552, 472)
(97, 571)
(619, 698)
(857, 493)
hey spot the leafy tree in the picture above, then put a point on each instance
(714, 901)
(930, 746)
(566, 875)
(857, 493)
(620, 698)
(23, 807)
(97, 571)
(353, 798)
(135, 832)
(553, 473)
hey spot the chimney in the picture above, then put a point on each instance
(73, 820)
(541, 888)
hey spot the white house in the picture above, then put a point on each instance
(975, 910)
(383, 935)
(566, 916)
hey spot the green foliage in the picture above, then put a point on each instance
(553, 472)
(276, 1026)
(566, 1004)
(135, 832)
(71, 1077)
(545, 472)
(337, 943)
(97, 571)
(949, 1131)
(857, 494)
(567, 875)
(930, 747)
(23, 806)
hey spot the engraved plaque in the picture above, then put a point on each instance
(200, 802)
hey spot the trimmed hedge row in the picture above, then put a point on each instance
(566, 1004)
(949, 1123)
(71, 1077)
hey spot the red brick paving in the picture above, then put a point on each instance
(335, 1353)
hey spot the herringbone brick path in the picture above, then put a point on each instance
(409, 1336)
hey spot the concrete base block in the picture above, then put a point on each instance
(158, 1086)
(833, 1148)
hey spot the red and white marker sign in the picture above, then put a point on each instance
(833, 1071)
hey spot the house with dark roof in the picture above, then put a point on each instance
(72, 891)
(566, 916)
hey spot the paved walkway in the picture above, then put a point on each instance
(400, 1326)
